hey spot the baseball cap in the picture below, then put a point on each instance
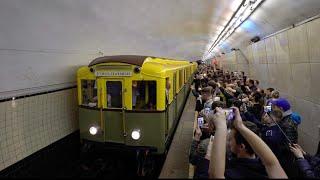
(282, 103)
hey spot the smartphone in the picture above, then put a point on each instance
(200, 122)
(229, 114)
(267, 109)
(216, 98)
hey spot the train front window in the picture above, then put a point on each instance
(144, 95)
(114, 94)
(89, 93)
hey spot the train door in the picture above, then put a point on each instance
(115, 115)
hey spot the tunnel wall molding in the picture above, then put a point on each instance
(290, 62)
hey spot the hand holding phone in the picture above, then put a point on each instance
(230, 115)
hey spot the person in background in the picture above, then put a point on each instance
(256, 107)
(274, 96)
(205, 100)
(250, 86)
(256, 83)
(287, 134)
(200, 154)
(268, 93)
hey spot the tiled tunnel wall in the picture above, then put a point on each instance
(290, 62)
(32, 123)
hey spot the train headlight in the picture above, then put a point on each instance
(135, 134)
(93, 130)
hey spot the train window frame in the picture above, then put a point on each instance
(94, 99)
(144, 95)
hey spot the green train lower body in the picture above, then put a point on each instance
(156, 128)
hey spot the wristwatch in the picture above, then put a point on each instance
(300, 158)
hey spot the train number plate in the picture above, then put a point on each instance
(113, 73)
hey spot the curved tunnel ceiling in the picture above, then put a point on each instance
(180, 29)
(270, 17)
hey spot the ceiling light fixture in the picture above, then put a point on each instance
(245, 9)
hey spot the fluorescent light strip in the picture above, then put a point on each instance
(234, 20)
(219, 36)
(246, 8)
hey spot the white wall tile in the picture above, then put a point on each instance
(284, 77)
(313, 29)
(315, 85)
(273, 75)
(34, 123)
(298, 44)
(301, 81)
(282, 47)
(271, 50)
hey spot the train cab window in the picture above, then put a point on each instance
(144, 95)
(89, 93)
(114, 94)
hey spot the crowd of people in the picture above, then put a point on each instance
(244, 130)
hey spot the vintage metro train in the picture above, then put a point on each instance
(133, 102)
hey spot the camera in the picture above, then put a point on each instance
(267, 109)
(230, 115)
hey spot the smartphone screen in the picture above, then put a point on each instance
(267, 108)
(200, 122)
(229, 114)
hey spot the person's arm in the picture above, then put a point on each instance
(218, 148)
(271, 163)
(232, 90)
(226, 95)
(303, 163)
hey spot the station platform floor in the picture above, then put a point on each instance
(177, 164)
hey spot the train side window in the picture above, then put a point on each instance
(144, 95)
(114, 94)
(89, 93)
(168, 87)
(180, 78)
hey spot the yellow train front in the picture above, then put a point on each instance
(132, 102)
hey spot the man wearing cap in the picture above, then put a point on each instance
(289, 128)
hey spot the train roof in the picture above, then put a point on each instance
(129, 59)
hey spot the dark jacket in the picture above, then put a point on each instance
(279, 144)
(197, 154)
(310, 166)
(289, 128)
(245, 168)
(228, 97)
(256, 110)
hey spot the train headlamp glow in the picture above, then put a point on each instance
(135, 134)
(93, 130)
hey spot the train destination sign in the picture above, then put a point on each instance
(113, 73)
